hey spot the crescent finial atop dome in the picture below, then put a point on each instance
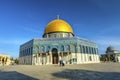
(58, 17)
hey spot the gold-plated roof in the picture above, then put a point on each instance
(58, 25)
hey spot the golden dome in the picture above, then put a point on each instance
(58, 26)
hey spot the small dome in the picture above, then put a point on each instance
(58, 25)
(110, 48)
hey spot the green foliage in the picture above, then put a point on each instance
(11, 58)
(16, 61)
(107, 58)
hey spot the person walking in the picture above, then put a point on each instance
(61, 61)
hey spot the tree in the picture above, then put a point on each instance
(11, 58)
(16, 61)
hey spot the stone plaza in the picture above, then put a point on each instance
(95, 71)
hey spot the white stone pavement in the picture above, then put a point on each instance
(100, 71)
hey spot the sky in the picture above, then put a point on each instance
(23, 20)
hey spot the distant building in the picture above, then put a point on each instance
(111, 55)
(4, 59)
(58, 43)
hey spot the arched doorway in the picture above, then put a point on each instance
(55, 56)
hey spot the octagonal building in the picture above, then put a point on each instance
(58, 43)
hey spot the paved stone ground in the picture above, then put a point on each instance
(101, 71)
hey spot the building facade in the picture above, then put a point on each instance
(58, 43)
(111, 55)
(5, 59)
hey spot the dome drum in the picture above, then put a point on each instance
(58, 35)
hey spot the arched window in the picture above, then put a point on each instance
(55, 35)
(62, 48)
(96, 50)
(83, 49)
(36, 48)
(80, 48)
(61, 35)
(67, 48)
(26, 51)
(43, 49)
(48, 48)
(87, 50)
(90, 51)
(31, 50)
(73, 48)
(23, 53)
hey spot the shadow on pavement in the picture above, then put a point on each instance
(75, 74)
(13, 75)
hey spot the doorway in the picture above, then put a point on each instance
(55, 56)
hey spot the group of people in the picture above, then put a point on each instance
(62, 63)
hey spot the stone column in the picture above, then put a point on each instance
(59, 56)
(96, 54)
(34, 60)
(76, 57)
(50, 58)
(88, 54)
(46, 58)
(71, 58)
(86, 59)
(40, 58)
(62, 55)
(68, 58)
(37, 59)
(82, 54)
(93, 55)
